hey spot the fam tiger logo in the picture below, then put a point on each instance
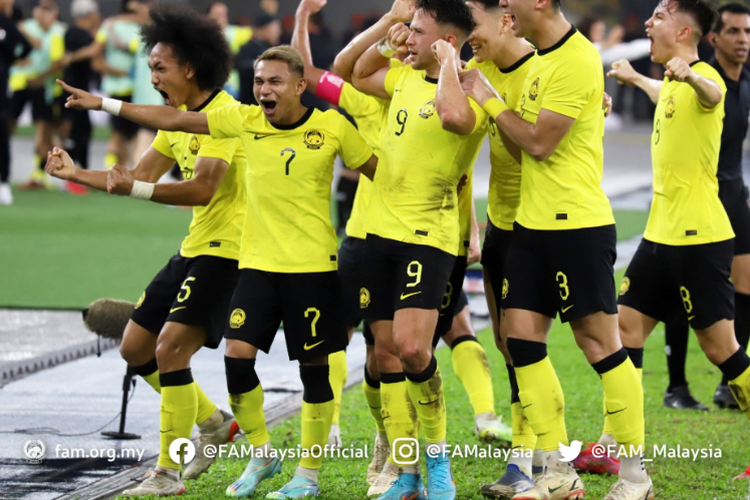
(505, 288)
(364, 298)
(624, 286)
(428, 109)
(314, 139)
(534, 90)
(194, 145)
(237, 318)
(669, 112)
(140, 300)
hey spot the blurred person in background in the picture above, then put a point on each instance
(612, 47)
(75, 130)
(115, 62)
(237, 36)
(13, 46)
(46, 64)
(266, 34)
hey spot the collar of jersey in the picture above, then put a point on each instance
(560, 43)
(299, 123)
(430, 80)
(207, 101)
(517, 64)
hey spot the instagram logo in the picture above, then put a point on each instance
(405, 451)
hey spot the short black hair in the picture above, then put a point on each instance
(703, 11)
(732, 8)
(194, 38)
(453, 12)
(488, 5)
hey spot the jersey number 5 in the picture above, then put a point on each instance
(289, 161)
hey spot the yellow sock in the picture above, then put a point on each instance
(372, 395)
(430, 405)
(206, 407)
(109, 160)
(741, 389)
(399, 414)
(543, 403)
(472, 369)
(623, 400)
(248, 411)
(153, 380)
(608, 428)
(523, 434)
(179, 406)
(337, 377)
(316, 424)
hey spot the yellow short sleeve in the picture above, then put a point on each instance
(101, 36)
(392, 77)
(57, 48)
(570, 91)
(222, 149)
(353, 149)
(161, 144)
(708, 72)
(227, 122)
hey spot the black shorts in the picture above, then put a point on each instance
(350, 274)
(462, 301)
(494, 254)
(400, 275)
(452, 298)
(125, 127)
(663, 281)
(733, 195)
(40, 110)
(570, 271)
(309, 304)
(194, 292)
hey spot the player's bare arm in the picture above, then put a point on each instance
(301, 39)
(402, 11)
(373, 66)
(198, 191)
(475, 242)
(707, 91)
(451, 102)
(539, 140)
(156, 117)
(624, 73)
(369, 168)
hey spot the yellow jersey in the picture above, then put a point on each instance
(288, 226)
(685, 150)
(564, 191)
(370, 114)
(415, 198)
(504, 196)
(216, 229)
(465, 205)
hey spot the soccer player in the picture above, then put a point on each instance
(685, 258)
(288, 252)
(505, 61)
(186, 305)
(429, 141)
(563, 246)
(731, 39)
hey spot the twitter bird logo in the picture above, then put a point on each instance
(570, 453)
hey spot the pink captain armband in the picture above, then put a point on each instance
(329, 88)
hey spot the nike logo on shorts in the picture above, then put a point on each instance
(176, 309)
(566, 309)
(308, 347)
(405, 296)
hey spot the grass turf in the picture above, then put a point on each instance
(674, 479)
(59, 251)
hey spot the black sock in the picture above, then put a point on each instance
(741, 323)
(676, 334)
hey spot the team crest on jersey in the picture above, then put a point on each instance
(428, 109)
(505, 288)
(140, 300)
(624, 286)
(195, 145)
(237, 318)
(534, 90)
(364, 298)
(314, 139)
(669, 112)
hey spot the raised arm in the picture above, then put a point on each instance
(156, 117)
(373, 66)
(301, 40)
(539, 140)
(451, 102)
(624, 73)
(402, 11)
(707, 91)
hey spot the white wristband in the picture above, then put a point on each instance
(111, 106)
(385, 48)
(142, 190)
